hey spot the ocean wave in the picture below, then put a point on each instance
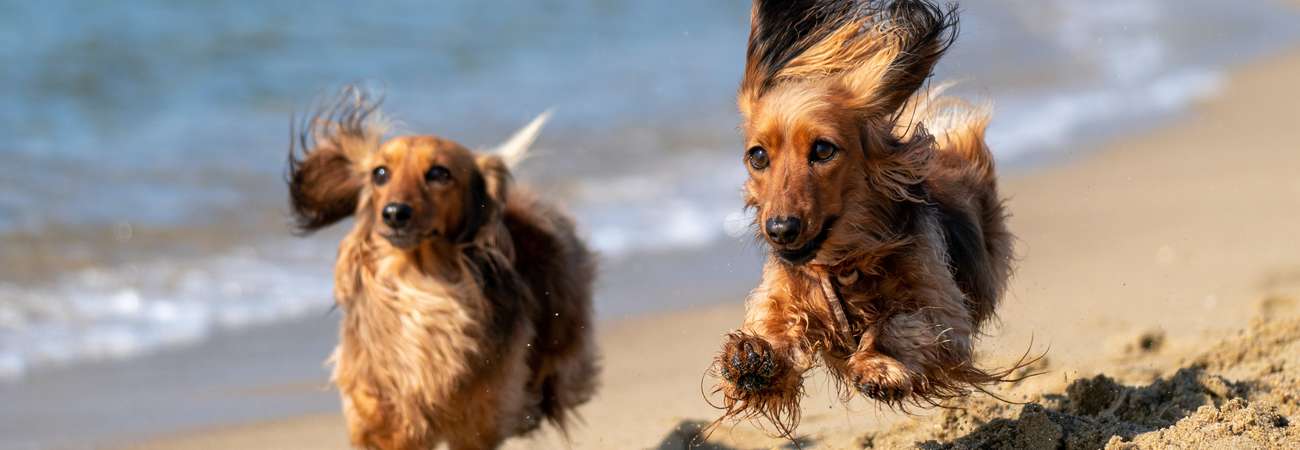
(1039, 125)
(98, 314)
(115, 144)
(682, 204)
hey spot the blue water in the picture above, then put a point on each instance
(144, 141)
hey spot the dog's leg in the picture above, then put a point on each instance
(877, 374)
(479, 425)
(762, 364)
(919, 354)
(767, 352)
(370, 424)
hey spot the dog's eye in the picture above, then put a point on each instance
(379, 175)
(822, 151)
(757, 158)
(437, 174)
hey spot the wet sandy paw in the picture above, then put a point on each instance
(749, 364)
(880, 377)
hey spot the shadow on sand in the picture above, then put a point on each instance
(689, 435)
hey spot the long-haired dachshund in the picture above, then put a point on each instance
(467, 301)
(889, 247)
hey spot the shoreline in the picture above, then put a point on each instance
(1181, 229)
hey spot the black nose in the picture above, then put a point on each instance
(397, 215)
(783, 230)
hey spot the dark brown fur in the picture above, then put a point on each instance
(467, 327)
(902, 229)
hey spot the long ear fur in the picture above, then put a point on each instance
(921, 32)
(324, 149)
(488, 190)
(490, 186)
(881, 51)
(780, 31)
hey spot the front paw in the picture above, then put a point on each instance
(881, 377)
(749, 364)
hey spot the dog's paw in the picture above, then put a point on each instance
(749, 364)
(881, 377)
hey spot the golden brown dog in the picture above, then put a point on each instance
(888, 241)
(467, 302)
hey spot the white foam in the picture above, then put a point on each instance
(684, 204)
(112, 313)
(1029, 125)
(12, 366)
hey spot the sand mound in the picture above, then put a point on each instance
(1241, 393)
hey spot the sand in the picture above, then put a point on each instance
(1241, 393)
(1159, 273)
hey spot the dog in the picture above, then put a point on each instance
(878, 201)
(466, 300)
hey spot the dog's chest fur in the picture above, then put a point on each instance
(876, 282)
(409, 341)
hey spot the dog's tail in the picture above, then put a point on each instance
(515, 150)
(958, 126)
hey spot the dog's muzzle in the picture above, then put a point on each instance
(803, 254)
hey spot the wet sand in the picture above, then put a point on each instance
(1137, 260)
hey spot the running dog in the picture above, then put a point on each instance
(878, 201)
(466, 300)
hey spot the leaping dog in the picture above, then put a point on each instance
(878, 201)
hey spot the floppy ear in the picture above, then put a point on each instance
(488, 187)
(881, 51)
(323, 188)
(903, 167)
(491, 184)
(324, 151)
(779, 32)
(914, 34)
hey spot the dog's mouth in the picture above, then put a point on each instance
(407, 240)
(801, 255)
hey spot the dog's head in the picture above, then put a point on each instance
(406, 191)
(824, 90)
(425, 187)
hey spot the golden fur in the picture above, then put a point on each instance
(468, 324)
(900, 229)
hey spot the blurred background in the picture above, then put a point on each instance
(145, 255)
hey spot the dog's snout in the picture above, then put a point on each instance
(783, 230)
(397, 215)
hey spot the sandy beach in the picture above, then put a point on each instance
(1174, 249)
